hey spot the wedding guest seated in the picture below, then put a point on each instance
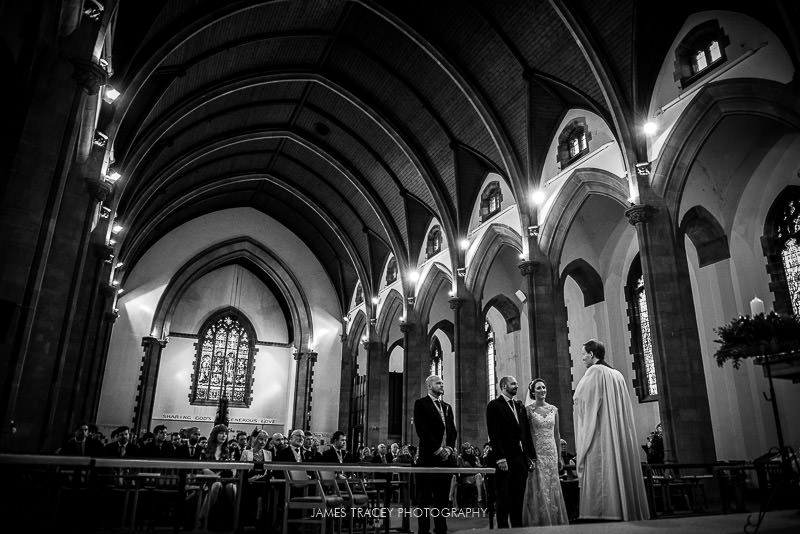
(567, 458)
(381, 455)
(81, 444)
(309, 450)
(191, 450)
(217, 508)
(121, 446)
(254, 498)
(159, 447)
(337, 453)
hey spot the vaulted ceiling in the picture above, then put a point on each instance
(353, 122)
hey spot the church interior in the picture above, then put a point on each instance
(305, 208)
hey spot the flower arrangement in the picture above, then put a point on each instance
(757, 335)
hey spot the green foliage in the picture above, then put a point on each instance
(762, 334)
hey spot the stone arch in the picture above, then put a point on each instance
(771, 246)
(706, 234)
(358, 323)
(568, 202)
(448, 329)
(507, 309)
(713, 103)
(493, 239)
(261, 259)
(587, 279)
(391, 307)
(436, 277)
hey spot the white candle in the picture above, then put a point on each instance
(756, 306)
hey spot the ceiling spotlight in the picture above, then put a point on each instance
(110, 94)
(464, 244)
(119, 264)
(538, 197)
(117, 228)
(413, 276)
(650, 128)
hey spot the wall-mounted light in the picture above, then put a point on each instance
(115, 283)
(463, 243)
(120, 291)
(110, 94)
(117, 228)
(522, 256)
(112, 176)
(112, 242)
(650, 128)
(631, 201)
(375, 300)
(100, 139)
(413, 276)
(538, 197)
(451, 293)
(119, 264)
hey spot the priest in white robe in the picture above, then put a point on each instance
(608, 464)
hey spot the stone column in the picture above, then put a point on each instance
(304, 385)
(346, 386)
(148, 379)
(683, 398)
(377, 406)
(415, 371)
(471, 371)
(549, 342)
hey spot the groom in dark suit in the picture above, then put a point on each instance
(512, 445)
(436, 428)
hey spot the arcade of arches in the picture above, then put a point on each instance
(308, 207)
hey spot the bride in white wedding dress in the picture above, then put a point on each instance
(544, 503)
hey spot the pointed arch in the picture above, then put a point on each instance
(714, 102)
(706, 234)
(507, 308)
(447, 328)
(568, 202)
(493, 239)
(391, 307)
(263, 262)
(587, 279)
(437, 276)
(357, 324)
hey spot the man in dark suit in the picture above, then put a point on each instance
(436, 428)
(121, 447)
(82, 444)
(382, 456)
(192, 449)
(294, 452)
(338, 453)
(512, 448)
(160, 447)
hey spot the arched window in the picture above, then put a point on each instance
(573, 142)
(391, 272)
(787, 241)
(359, 294)
(491, 201)
(224, 362)
(641, 341)
(700, 52)
(434, 243)
(491, 362)
(436, 357)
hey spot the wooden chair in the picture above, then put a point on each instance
(354, 495)
(327, 497)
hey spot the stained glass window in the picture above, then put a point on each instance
(436, 357)
(788, 234)
(491, 362)
(434, 243)
(646, 383)
(224, 363)
(391, 272)
(644, 334)
(491, 201)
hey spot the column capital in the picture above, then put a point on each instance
(108, 290)
(111, 317)
(297, 356)
(150, 341)
(312, 356)
(98, 189)
(455, 303)
(527, 267)
(639, 213)
(371, 345)
(89, 74)
(343, 337)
